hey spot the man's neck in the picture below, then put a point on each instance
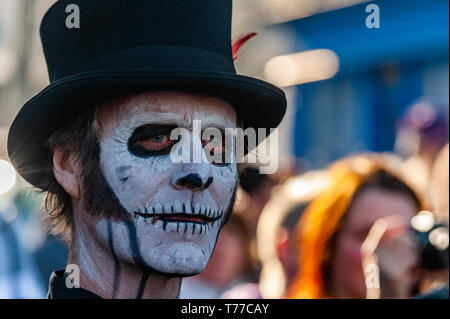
(105, 275)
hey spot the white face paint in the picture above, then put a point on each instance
(175, 220)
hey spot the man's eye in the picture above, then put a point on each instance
(212, 147)
(215, 151)
(151, 140)
(158, 138)
(155, 143)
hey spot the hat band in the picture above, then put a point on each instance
(155, 58)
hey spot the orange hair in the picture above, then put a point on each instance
(323, 218)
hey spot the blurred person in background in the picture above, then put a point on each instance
(439, 185)
(331, 231)
(422, 132)
(20, 235)
(227, 267)
(254, 192)
(27, 255)
(423, 137)
(277, 245)
(435, 277)
(51, 255)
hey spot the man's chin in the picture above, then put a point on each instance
(182, 261)
(177, 272)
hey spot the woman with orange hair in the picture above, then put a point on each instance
(334, 226)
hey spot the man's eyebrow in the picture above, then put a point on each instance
(214, 124)
(182, 122)
(171, 123)
(168, 123)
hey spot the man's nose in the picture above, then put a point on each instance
(194, 182)
(196, 177)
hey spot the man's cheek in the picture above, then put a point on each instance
(224, 186)
(139, 189)
(133, 183)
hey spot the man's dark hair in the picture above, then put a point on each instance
(73, 138)
(80, 139)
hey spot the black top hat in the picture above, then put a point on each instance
(124, 47)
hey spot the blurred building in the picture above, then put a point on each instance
(368, 75)
(26, 255)
(23, 71)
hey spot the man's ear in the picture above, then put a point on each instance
(66, 170)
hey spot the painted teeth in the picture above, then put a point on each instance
(158, 209)
(190, 230)
(188, 208)
(158, 224)
(177, 206)
(210, 211)
(197, 208)
(171, 227)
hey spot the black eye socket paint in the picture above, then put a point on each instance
(147, 132)
(226, 151)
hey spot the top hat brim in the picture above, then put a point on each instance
(258, 104)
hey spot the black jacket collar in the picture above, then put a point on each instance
(59, 290)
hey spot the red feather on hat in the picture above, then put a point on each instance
(239, 43)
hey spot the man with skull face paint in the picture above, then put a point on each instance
(98, 140)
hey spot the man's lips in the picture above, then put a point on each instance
(180, 213)
(180, 218)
